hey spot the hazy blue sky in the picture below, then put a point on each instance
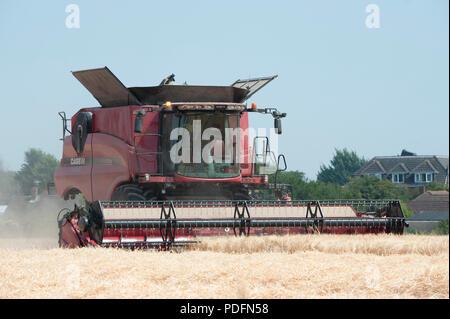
(375, 91)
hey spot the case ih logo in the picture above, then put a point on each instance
(77, 161)
(82, 161)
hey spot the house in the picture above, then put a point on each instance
(408, 168)
(430, 208)
(430, 202)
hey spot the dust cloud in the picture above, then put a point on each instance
(31, 224)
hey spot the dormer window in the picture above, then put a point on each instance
(423, 177)
(398, 178)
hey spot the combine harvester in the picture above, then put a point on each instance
(123, 158)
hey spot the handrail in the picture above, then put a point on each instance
(64, 119)
(147, 153)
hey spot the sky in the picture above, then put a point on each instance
(344, 83)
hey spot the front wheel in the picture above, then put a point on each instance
(128, 192)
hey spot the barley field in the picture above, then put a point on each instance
(297, 266)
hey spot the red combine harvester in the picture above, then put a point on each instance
(162, 166)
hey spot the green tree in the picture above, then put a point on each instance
(436, 187)
(442, 228)
(302, 188)
(364, 187)
(343, 164)
(370, 187)
(408, 212)
(295, 179)
(38, 168)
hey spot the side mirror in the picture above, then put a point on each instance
(139, 121)
(277, 126)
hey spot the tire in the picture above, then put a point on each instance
(241, 196)
(82, 127)
(128, 192)
(150, 195)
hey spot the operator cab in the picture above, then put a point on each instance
(201, 144)
(200, 126)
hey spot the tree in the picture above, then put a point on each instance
(436, 187)
(341, 168)
(37, 170)
(442, 228)
(364, 187)
(371, 187)
(302, 188)
(295, 179)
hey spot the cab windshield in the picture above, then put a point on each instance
(213, 145)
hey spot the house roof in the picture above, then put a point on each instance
(407, 164)
(431, 201)
(374, 166)
(430, 216)
(424, 167)
(399, 168)
(443, 161)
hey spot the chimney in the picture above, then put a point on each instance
(407, 153)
